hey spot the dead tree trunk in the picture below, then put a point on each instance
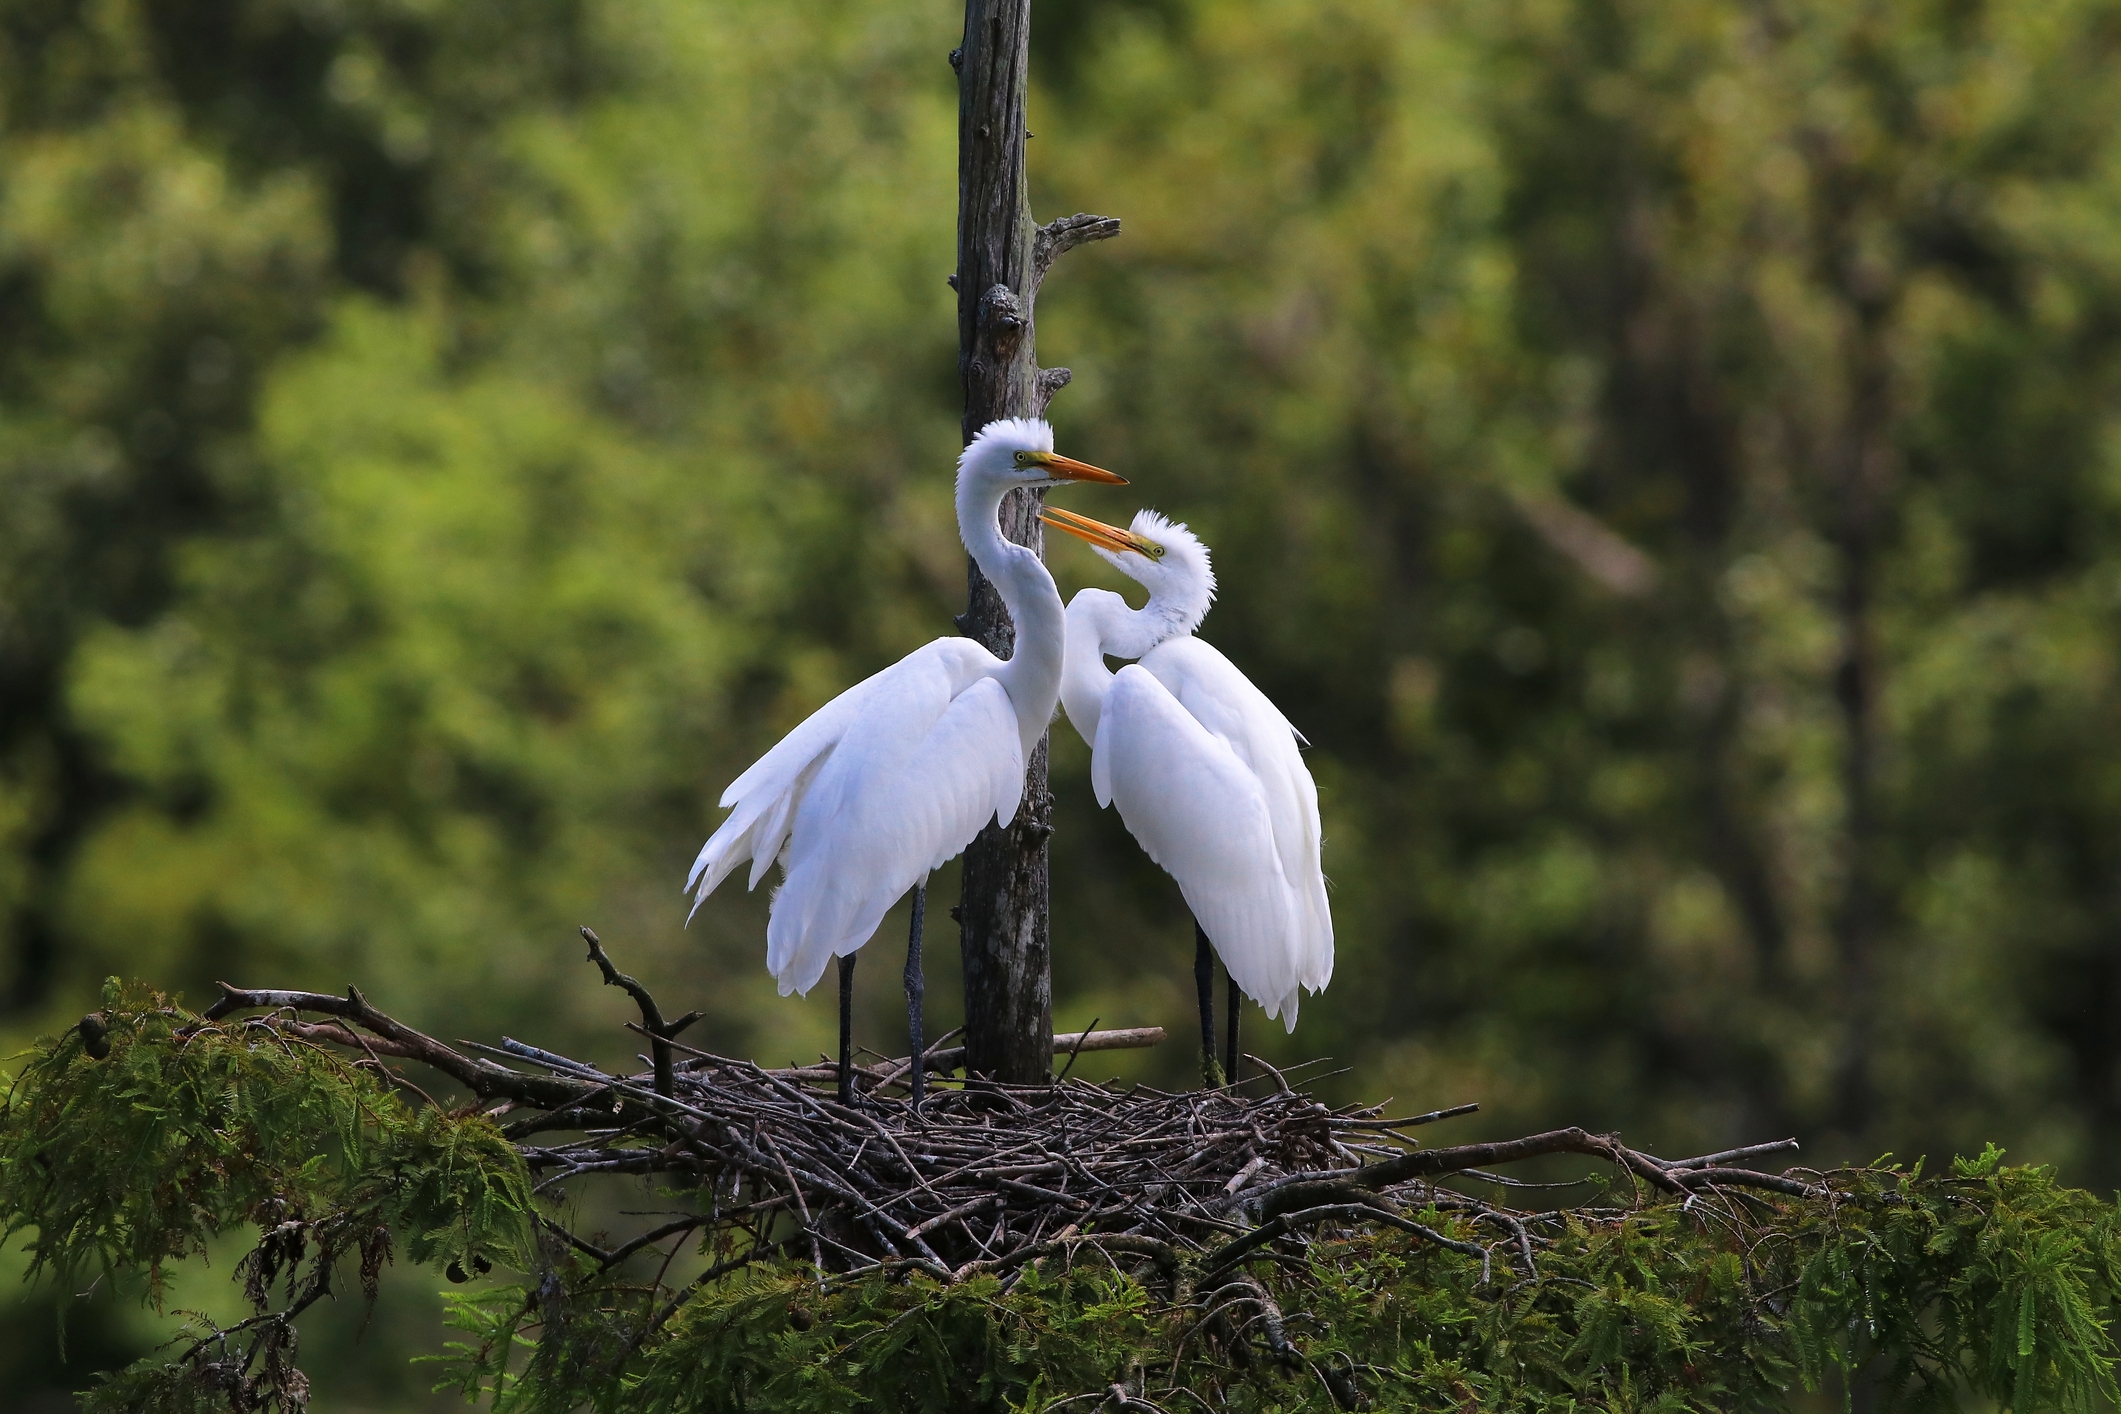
(1001, 257)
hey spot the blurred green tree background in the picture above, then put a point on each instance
(1665, 454)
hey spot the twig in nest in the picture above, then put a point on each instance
(1076, 1049)
(659, 1031)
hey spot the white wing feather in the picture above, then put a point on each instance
(1198, 810)
(875, 789)
(1225, 702)
(894, 802)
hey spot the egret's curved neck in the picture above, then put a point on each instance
(1084, 677)
(1033, 673)
(1099, 625)
(1131, 633)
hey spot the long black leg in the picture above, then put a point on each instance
(916, 989)
(1237, 1004)
(847, 1029)
(1204, 982)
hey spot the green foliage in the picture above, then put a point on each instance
(2000, 1279)
(158, 1386)
(1993, 1282)
(187, 1130)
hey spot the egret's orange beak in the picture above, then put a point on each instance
(1062, 468)
(1096, 532)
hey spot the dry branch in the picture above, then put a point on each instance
(659, 1031)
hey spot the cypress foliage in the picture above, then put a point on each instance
(1987, 1280)
(1984, 1279)
(182, 1132)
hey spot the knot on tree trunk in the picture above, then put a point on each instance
(1001, 314)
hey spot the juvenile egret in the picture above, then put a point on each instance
(1204, 769)
(896, 775)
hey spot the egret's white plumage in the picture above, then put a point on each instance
(1205, 770)
(898, 773)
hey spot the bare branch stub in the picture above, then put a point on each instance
(1051, 381)
(1057, 237)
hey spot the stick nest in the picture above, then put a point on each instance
(985, 1178)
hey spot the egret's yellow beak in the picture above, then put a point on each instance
(1062, 468)
(1096, 532)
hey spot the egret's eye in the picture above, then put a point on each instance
(1156, 551)
(1023, 458)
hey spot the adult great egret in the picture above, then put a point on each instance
(1204, 769)
(898, 773)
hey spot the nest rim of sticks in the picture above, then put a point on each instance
(985, 1178)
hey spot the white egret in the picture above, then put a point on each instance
(898, 773)
(1204, 769)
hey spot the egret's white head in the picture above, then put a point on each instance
(1157, 553)
(1018, 451)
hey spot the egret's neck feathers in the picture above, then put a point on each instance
(984, 475)
(1093, 615)
(1180, 581)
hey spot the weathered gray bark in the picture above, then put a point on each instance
(1001, 257)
